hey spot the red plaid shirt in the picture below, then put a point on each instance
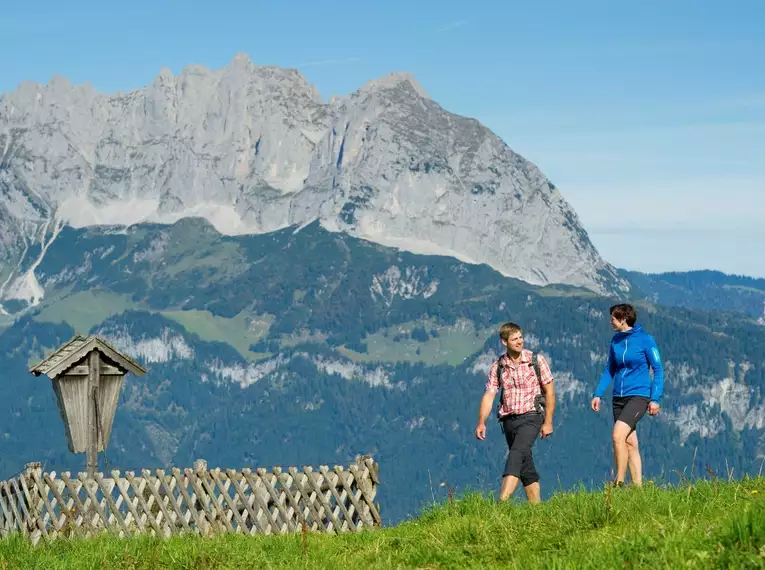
(520, 382)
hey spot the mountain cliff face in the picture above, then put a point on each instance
(254, 149)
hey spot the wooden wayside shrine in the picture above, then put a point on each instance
(87, 375)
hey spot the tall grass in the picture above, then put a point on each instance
(696, 524)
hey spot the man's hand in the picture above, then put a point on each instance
(483, 413)
(653, 408)
(546, 430)
(595, 404)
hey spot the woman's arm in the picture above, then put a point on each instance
(654, 361)
(608, 374)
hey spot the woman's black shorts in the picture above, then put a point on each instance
(630, 409)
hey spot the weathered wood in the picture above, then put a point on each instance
(79, 514)
(90, 486)
(17, 521)
(199, 501)
(94, 377)
(216, 477)
(83, 370)
(190, 504)
(256, 483)
(55, 487)
(300, 481)
(72, 397)
(251, 513)
(107, 489)
(315, 480)
(87, 374)
(73, 352)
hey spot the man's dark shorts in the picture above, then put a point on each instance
(630, 409)
(521, 432)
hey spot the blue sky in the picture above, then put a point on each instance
(649, 116)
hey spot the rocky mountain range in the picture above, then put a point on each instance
(255, 149)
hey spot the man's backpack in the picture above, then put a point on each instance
(539, 400)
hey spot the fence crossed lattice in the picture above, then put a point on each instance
(201, 501)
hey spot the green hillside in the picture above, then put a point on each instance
(700, 524)
(311, 347)
(701, 290)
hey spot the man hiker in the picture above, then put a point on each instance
(523, 411)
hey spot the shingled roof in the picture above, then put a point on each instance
(76, 349)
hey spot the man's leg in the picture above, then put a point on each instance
(529, 475)
(634, 461)
(525, 437)
(509, 484)
(509, 481)
(533, 493)
(621, 454)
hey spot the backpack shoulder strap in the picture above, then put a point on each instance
(540, 400)
(535, 363)
(500, 369)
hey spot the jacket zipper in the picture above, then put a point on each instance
(624, 364)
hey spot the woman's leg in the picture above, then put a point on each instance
(627, 413)
(634, 461)
(621, 453)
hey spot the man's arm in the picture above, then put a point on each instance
(483, 414)
(547, 426)
(484, 409)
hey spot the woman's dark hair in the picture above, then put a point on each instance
(625, 312)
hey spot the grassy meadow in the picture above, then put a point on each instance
(696, 524)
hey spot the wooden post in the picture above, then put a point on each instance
(36, 507)
(94, 375)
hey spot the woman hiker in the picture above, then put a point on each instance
(632, 352)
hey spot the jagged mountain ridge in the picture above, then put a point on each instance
(254, 149)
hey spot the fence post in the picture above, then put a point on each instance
(36, 505)
(203, 501)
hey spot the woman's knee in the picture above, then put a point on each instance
(621, 432)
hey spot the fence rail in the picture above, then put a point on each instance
(201, 501)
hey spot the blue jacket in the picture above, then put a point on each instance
(629, 357)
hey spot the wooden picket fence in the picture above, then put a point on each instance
(200, 501)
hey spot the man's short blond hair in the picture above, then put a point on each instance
(507, 329)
